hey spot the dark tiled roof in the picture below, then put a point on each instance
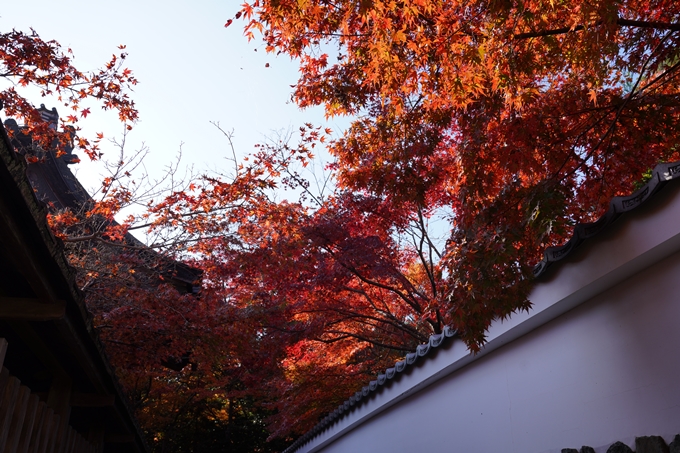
(661, 175)
(382, 379)
(56, 185)
(68, 342)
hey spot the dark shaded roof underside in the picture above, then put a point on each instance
(34, 266)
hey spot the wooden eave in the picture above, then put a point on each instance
(44, 319)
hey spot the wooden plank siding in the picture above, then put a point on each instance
(28, 425)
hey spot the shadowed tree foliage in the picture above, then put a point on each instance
(481, 133)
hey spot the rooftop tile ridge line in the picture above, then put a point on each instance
(661, 175)
(435, 341)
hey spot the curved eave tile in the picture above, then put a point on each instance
(383, 379)
(661, 175)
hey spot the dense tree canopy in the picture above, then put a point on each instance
(482, 132)
(521, 117)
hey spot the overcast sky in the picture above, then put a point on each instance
(191, 71)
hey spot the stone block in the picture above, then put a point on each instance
(619, 447)
(650, 444)
(674, 447)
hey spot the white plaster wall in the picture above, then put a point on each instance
(608, 370)
(596, 361)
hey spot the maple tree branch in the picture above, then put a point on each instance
(428, 264)
(396, 323)
(386, 311)
(94, 283)
(186, 215)
(575, 142)
(659, 78)
(302, 184)
(648, 24)
(132, 345)
(87, 237)
(344, 335)
(608, 135)
(357, 320)
(175, 242)
(413, 304)
(229, 136)
(620, 22)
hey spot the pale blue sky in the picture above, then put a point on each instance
(191, 71)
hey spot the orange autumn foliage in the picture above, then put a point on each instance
(520, 118)
(510, 121)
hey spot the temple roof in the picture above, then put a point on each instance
(43, 317)
(56, 185)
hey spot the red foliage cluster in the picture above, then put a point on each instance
(515, 120)
(521, 118)
(28, 60)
